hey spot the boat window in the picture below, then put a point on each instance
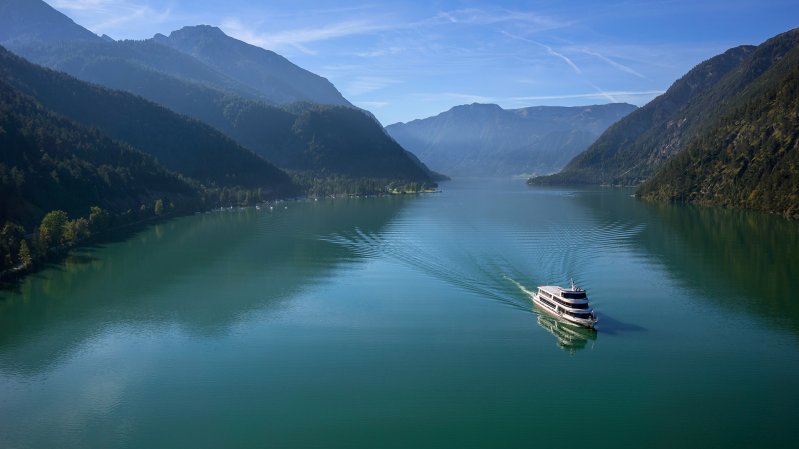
(580, 315)
(573, 306)
(574, 295)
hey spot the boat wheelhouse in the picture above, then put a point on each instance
(568, 304)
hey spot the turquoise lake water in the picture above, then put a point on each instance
(402, 322)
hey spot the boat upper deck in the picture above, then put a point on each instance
(575, 296)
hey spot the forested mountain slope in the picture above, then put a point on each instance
(48, 162)
(202, 73)
(274, 77)
(180, 144)
(630, 150)
(750, 159)
(694, 106)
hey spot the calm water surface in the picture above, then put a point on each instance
(403, 322)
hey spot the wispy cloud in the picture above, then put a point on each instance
(379, 24)
(366, 84)
(300, 36)
(561, 56)
(605, 94)
(613, 63)
(80, 5)
(380, 52)
(482, 16)
(144, 13)
(372, 104)
(108, 15)
(460, 98)
(549, 50)
(615, 95)
(381, 55)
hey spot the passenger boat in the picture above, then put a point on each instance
(568, 304)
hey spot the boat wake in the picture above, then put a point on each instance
(476, 276)
(521, 287)
(499, 270)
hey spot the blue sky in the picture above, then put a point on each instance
(407, 60)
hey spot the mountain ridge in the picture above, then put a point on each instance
(750, 157)
(51, 162)
(485, 139)
(252, 66)
(181, 82)
(181, 144)
(631, 149)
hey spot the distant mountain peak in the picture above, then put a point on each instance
(189, 38)
(475, 105)
(199, 30)
(474, 110)
(483, 139)
(273, 76)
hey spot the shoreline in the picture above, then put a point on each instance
(13, 276)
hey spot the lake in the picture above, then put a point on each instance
(402, 322)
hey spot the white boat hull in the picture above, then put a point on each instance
(589, 323)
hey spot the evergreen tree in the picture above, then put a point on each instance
(25, 254)
(10, 237)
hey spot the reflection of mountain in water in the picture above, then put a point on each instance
(740, 260)
(570, 338)
(202, 273)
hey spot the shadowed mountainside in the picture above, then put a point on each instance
(234, 87)
(180, 144)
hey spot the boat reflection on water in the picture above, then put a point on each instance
(570, 338)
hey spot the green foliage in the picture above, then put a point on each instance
(750, 159)
(50, 163)
(180, 144)
(335, 140)
(317, 186)
(235, 196)
(25, 257)
(99, 220)
(725, 134)
(11, 237)
(55, 234)
(301, 136)
(638, 145)
(76, 230)
(51, 230)
(632, 149)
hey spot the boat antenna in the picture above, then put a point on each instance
(574, 287)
